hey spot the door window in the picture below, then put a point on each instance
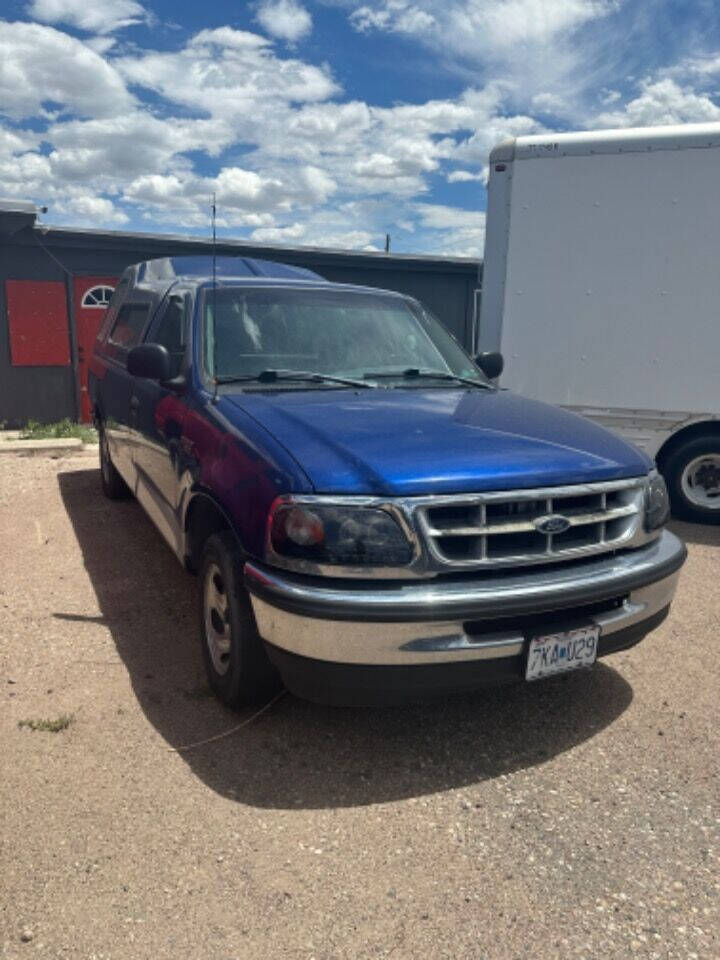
(129, 325)
(118, 296)
(170, 332)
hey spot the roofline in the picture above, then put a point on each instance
(623, 140)
(244, 245)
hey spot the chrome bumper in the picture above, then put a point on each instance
(399, 623)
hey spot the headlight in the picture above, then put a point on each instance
(657, 502)
(351, 536)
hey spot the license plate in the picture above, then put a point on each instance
(559, 652)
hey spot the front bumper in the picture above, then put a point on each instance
(461, 630)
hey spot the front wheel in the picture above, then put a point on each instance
(238, 669)
(692, 472)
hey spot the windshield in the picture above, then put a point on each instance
(335, 332)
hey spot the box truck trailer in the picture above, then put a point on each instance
(601, 285)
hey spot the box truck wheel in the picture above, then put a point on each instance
(692, 472)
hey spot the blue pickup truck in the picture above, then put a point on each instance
(370, 517)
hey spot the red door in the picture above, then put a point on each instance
(91, 296)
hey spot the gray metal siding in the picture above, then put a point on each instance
(46, 394)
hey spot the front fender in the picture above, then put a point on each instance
(238, 467)
(213, 516)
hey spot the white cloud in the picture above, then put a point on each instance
(550, 48)
(109, 153)
(95, 16)
(93, 211)
(16, 141)
(398, 16)
(482, 24)
(100, 44)
(316, 234)
(546, 103)
(703, 68)
(27, 172)
(294, 233)
(156, 189)
(244, 197)
(40, 65)
(30, 176)
(184, 199)
(285, 19)
(383, 167)
(458, 232)
(506, 23)
(247, 190)
(373, 150)
(229, 73)
(237, 77)
(662, 102)
(442, 217)
(465, 176)
(493, 125)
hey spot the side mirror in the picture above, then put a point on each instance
(149, 360)
(491, 364)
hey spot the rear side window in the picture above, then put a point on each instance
(170, 332)
(111, 312)
(129, 326)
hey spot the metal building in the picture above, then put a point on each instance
(55, 283)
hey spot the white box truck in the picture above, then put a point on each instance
(601, 285)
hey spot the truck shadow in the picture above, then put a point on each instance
(299, 754)
(705, 535)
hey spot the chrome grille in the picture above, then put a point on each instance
(497, 529)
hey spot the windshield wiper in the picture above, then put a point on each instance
(272, 376)
(415, 373)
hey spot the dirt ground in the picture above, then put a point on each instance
(574, 818)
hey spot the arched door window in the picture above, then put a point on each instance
(97, 297)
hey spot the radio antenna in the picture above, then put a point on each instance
(214, 296)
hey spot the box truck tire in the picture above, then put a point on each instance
(692, 472)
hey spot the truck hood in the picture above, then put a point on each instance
(408, 442)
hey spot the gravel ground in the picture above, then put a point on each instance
(578, 817)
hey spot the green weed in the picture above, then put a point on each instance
(58, 431)
(49, 726)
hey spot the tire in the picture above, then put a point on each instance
(113, 485)
(237, 665)
(692, 473)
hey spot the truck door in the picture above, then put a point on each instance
(157, 416)
(118, 405)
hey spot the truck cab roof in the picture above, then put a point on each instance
(152, 279)
(166, 271)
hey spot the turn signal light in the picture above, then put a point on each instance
(302, 526)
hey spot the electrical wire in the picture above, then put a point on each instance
(227, 733)
(52, 256)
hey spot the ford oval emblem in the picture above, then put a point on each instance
(554, 523)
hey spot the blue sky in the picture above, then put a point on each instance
(326, 122)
